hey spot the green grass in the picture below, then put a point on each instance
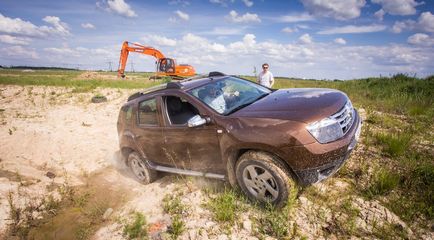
(276, 221)
(173, 205)
(177, 227)
(137, 229)
(225, 207)
(69, 79)
(395, 144)
(383, 182)
(176, 209)
(398, 94)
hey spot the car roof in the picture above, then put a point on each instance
(184, 85)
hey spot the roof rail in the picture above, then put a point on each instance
(174, 85)
(216, 74)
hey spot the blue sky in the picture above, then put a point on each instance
(303, 38)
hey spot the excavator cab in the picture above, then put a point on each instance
(166, 65)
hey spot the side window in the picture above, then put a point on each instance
(127, 112)
(148, 112)
(179, 110)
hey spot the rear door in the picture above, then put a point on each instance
(148, 132)
(189, 148)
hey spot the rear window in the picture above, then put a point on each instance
(126, 114)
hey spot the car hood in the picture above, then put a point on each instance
(296, 104)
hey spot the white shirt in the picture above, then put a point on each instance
(265, 78)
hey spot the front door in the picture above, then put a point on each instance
(189, 148)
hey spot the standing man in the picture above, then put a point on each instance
(265, 78)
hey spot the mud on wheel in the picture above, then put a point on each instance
(140, 170)
(264, 178)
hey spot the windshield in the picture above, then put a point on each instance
(230, 94)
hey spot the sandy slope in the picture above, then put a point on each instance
(50, 129)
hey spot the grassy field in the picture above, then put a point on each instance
(76, 79)
(394, 167)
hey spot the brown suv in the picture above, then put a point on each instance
(263, 140)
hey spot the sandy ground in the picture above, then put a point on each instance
(51, 130)
(46, 130)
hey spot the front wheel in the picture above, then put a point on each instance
(263, 178)
(142, 173)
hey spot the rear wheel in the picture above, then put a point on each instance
(142, 173)
(263, 178)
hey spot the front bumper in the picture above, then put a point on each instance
(317, 174)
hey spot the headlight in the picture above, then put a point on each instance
(325, 130)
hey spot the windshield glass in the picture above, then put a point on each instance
(229, 95)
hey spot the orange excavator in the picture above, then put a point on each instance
(165, 66)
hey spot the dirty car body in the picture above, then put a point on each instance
(257, 140)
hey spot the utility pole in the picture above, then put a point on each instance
(132, 66)
(254, 70)
(110, 66)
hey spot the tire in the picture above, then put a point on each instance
(99, 99)
(140, 170)
(264, 178)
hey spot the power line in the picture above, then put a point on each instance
(110, 66)
(132, 66)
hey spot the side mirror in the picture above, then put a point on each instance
(196, 121)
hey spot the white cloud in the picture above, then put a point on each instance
(399, 26)
(337, 9)
(305, 39)
(302, 26)
(248, 3)
(354, 29)
(14, 40)
(289, 30)
(19, 27)
(380, 14)
(246, 18)
(19, 52)
(59, 26)
(320, 60)
(425, 23)
(88, 26)
(314, 60)
(78, 52)
(301, 17)
(398, 7)
(183, 3)
(182, 15)
(340, 41)
(224, 31)
(223, 3)
(158, 40)
(119, 7)
(421, 39)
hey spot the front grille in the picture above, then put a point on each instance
(345, 117)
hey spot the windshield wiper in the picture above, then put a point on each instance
(246, 104)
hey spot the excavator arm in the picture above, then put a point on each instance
(128, 47)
